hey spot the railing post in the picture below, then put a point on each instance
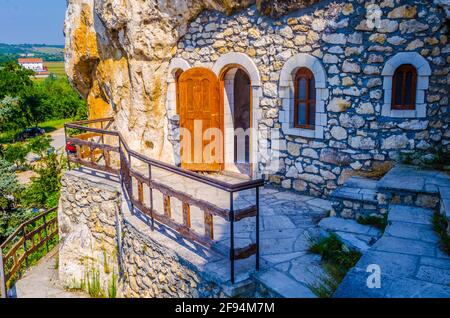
(25, 246)
(231, 238)
(65, 147)
(45, 231)
(257, 228)
(2, 277)
(151, 195)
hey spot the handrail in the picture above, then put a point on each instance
(226, 186)
(17, 242)
(127, 174)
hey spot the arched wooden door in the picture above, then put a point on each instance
(201, 122)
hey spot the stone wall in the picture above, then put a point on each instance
(358, 137)
(87, 216)
(99, 234)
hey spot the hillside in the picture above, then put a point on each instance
(50, 53)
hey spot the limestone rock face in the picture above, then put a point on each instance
(117, 53)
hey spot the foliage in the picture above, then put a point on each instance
(10, 114)
(14, 79)
(61, 99)
(43, 191)
(16, 154)
(112, 286)
(11, 52)
(24, 103)
(376, 221)
(337, 258)
(432, 159)
(9, 187)
(93, 284)
(440, 225)
(39, 145)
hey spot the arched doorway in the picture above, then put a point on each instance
(201, 120)
(237, 119)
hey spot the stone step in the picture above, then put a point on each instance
(354, 235)
(355, 194)
(281, 285)
(410, 214)
(361, 183)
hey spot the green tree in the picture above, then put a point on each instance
(62, 99)
(14, 79)
(9, 186)
(16, 154)
(11, 117)
(39, 145)
(43, 191)
(33, 106)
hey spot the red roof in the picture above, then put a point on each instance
(30, 60)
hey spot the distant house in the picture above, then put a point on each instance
(36, 65)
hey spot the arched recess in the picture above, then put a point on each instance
(286, 91)
(423, 75)
(225, 68)
(176, 67)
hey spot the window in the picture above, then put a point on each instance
(304, 99)
(404, 86)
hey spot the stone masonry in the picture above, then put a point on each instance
(358, 136)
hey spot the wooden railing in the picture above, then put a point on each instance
(100, 156)
(23, 242)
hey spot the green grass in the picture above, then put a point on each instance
(440, 227)
(54, 124)
(56, 68)
(7, 137)
(337, 259)
(376, 221)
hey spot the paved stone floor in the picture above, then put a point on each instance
(411, 262)
(41, 281)
(288, 223)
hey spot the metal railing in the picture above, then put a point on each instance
(97, 151)
(22, 243)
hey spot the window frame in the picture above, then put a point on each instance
(310, 104)
(403, 70)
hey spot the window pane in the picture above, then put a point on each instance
(312, 114)
(398, 88)
(408, 92)
(301, 113)
(312, 89)
(301, 89)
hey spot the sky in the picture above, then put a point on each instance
(32, 21)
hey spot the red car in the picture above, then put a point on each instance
(70, 147)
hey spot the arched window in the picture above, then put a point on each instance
(304, 99)
(404, 87)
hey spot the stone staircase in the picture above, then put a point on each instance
(358, 196)
(408, 257)
(408, 254)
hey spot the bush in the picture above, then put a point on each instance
(39, 145)
(16, 154)
(43, 191)
(9, 187)
(440, 227)
(338, 260)
(379, 222)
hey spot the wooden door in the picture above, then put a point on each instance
(201, 117)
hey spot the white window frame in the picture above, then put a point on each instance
(286, 91)
(423, 79)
